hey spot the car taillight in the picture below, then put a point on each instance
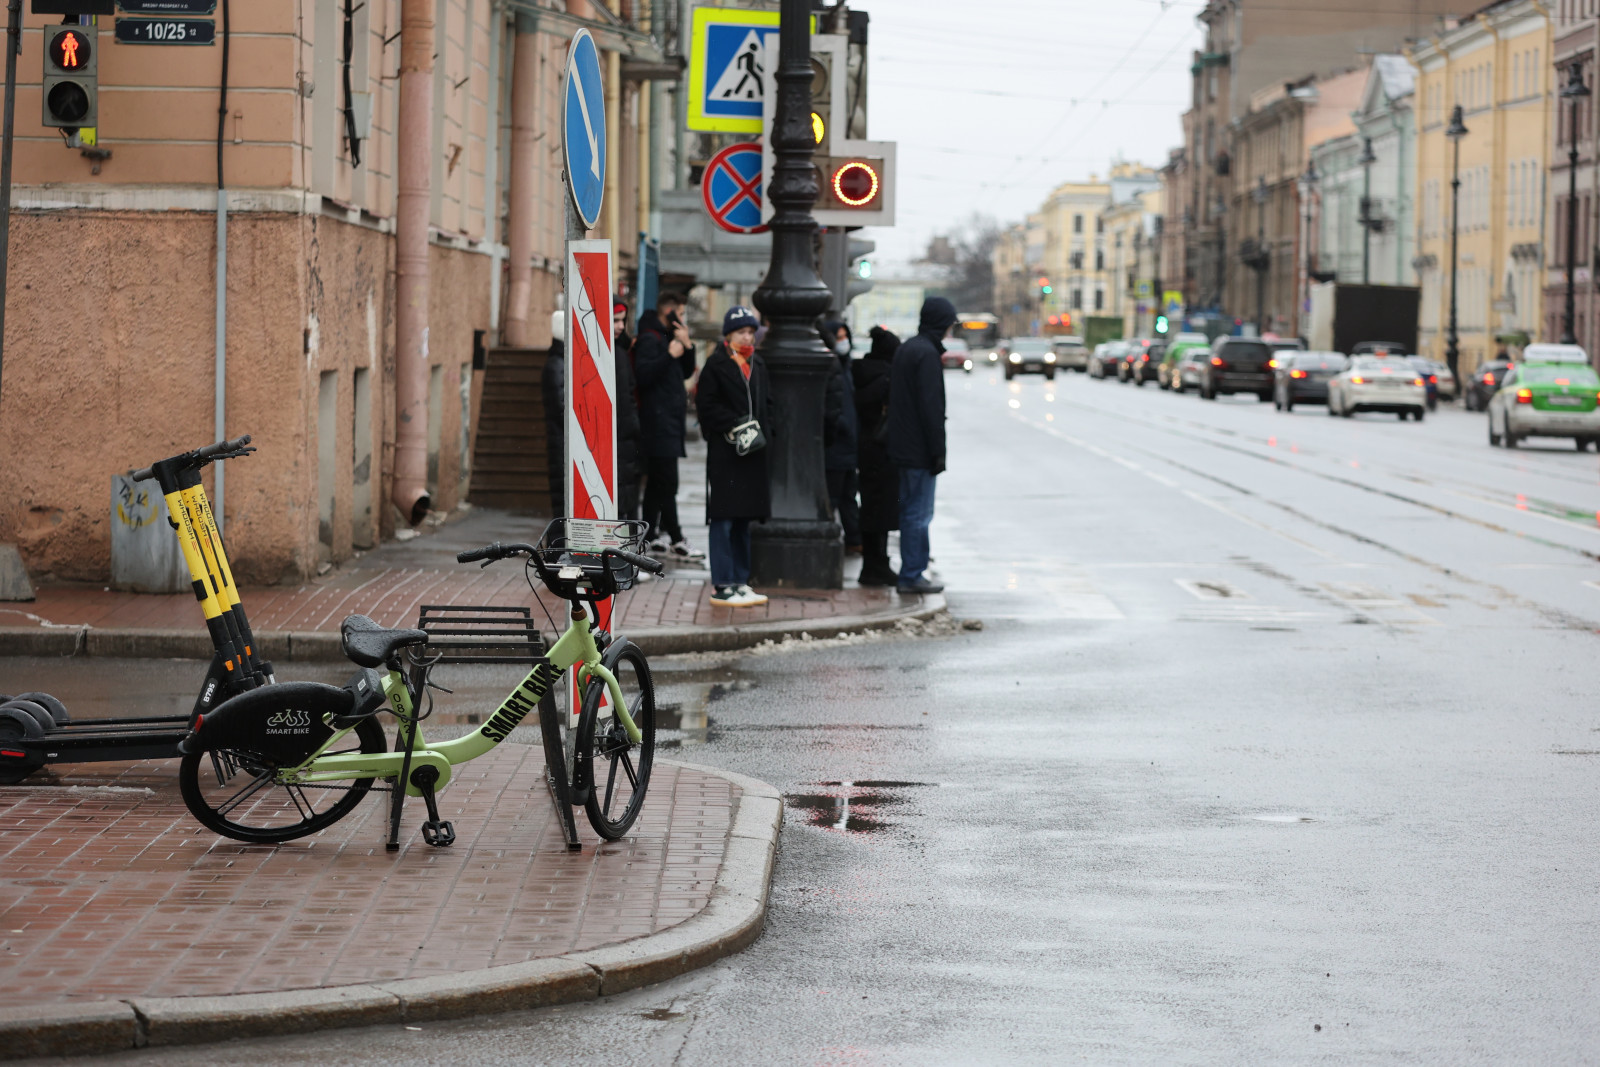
(1272, 363)
(1216, 361)
(1358, 381)
(1434, 378)
(1297, 374)
(1488, 379)
(1416, 381)
(1524, 396)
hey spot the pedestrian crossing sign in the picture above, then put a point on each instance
(728, 78)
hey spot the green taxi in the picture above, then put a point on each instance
(1546, 400)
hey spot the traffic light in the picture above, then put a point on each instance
(822, 98)
(860, 279)
(1045, 288)
(70, 90)
(1161, 324)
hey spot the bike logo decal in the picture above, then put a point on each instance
(523, 700)
(289, 721)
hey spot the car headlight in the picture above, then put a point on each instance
(1015, 358)
(993, 356)
(966, 364)
(1049, 357)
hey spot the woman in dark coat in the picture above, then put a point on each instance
(733, 389)
(839, 435)
(880, 480)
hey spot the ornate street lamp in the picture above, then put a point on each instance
(799, 546)
(1309, 182)
(1367, 160)
(1456, 131)
(1576, 92)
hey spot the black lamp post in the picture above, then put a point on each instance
(1309, 181)
(1367, 160)
(1574, 91)
(1262, 259)
(1456, 131)
(799, 546)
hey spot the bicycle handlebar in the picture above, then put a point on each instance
(644, 563)
(489, 552)
(211, 452)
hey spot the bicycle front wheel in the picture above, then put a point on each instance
(234, 792)
(612, 772)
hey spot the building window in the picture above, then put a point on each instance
(1099, 259)
(1077, 300)
(1099, 300)
(1077, 224)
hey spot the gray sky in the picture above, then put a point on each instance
(993, 102)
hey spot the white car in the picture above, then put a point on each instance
(1546, 400)
(1372, 384)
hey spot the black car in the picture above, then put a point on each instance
(1483, 383)
(1302, 377)
(1142, 363)
(1238, 365)
(1030, 355)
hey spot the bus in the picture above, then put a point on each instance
(981, 332)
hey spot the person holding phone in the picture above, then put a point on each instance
(663, 360)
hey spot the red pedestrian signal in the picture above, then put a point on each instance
(855, 183)
(69, 50)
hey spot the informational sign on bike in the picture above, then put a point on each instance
(594, 536)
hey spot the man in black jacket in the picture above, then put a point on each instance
(627, 408)
(663, 359)
(916, 436)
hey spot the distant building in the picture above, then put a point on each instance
(1134, 279)
(1573, 43)
(1497, 68)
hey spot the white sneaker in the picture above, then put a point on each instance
(660, 544)
(684, 550)
(726, 596)
(751, 597)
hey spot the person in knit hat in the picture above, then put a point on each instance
(733, 392)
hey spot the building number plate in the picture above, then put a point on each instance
(166, 31)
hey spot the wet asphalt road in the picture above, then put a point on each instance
(1278, 745)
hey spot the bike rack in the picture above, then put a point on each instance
(492, 633)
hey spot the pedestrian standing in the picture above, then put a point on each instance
(916, 436)
(879, 478)
(627, 408)
(553, 387)
(732, 403)
(663, 360)
(840, 436)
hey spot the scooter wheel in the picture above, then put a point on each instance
(57, 710)
(34, 711)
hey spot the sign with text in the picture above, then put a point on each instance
(166, 31)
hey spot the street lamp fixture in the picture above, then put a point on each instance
(1368, 158)
(1456, 130)
(1576, 92)
(1309, 182)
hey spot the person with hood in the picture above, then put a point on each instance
(916, 437)
(879, 479)
(733, 392)
(839, 436)
(663, 360)
(627, 408)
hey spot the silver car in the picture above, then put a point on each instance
(1372, 384)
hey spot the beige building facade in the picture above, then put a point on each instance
(116, 341)
(1497, 68)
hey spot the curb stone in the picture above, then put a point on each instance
(731, 920)
(323, 647)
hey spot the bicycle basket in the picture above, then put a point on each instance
(573, 542)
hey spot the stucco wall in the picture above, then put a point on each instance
(109, 365)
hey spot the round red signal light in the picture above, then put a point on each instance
(855, 184)
(69, 50)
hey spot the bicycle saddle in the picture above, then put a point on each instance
(369, 645)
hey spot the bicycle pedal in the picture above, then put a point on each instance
(438, 834)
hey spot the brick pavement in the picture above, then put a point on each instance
(108, 889)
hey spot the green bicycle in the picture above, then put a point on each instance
(283, 761)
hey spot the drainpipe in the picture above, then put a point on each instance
(220, 401)
(524, 171)
(612, 214)
(409, 490)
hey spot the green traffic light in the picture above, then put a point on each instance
(1047, 290)
(1161, 324)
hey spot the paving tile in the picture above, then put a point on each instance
(126, 896)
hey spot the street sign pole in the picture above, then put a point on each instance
(14, 584)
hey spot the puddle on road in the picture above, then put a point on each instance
(853, 807)
(1283, 818)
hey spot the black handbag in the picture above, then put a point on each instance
(747, 436)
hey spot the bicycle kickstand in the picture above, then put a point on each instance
(435, 831)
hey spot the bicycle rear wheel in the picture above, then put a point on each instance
(233, 791)
(612, 773)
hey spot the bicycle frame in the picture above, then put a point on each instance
(576, 648)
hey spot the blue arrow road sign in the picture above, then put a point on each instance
(583, 128)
